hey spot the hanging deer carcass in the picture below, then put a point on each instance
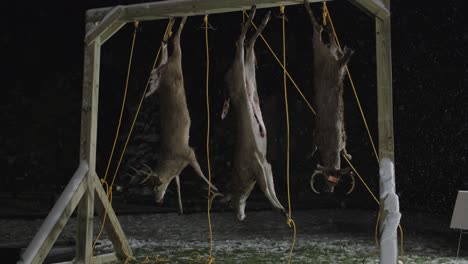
(175, 152)
(329, 134)
(249, 165)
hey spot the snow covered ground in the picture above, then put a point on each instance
(323, 236)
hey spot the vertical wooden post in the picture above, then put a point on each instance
(389, 208)
(384, 86)
(89, 114)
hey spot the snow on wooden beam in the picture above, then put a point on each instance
(372, 7)
(176, 8)
(110, 24)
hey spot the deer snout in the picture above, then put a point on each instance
(331, 181)
(159, 191)
(241, 211)
(322, 182)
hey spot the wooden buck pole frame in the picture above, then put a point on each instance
(85, 192)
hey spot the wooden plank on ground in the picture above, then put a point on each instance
(101, 259)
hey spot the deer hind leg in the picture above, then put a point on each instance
(266, 183)
(241, 200)
(240, 41)
(194, 163)
(248, 23)
(259, 30)
(179, 195)
(317, 27)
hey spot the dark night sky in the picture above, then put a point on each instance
(42, 46)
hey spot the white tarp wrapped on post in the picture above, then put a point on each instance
(390, 213)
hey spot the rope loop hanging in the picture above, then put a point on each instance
(327, 17)
(107, 186)
(210, 257)
(290, 221)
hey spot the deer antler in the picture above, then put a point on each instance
(149, 173)
(214, 195)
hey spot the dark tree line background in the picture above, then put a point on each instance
(42, 45)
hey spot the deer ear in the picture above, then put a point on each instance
(154, 81)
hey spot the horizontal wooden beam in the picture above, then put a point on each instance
(374, 8)
(176, 8)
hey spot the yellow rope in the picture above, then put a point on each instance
(117, 132)
(103, 181)
(361, 179)
(284, 69)
(290, 221)
(243, 17)
(326, 13)
(363, 118)
(310, 107)
(108, 187)
(210, 257)
(167, 32)
(313, 111)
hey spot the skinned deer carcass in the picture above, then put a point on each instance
(250, 165)
(329, 133)
(175, 152)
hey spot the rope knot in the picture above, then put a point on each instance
(210, 260)
(282, 9)
(324, 13)
(129, 258)
(136, 23)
